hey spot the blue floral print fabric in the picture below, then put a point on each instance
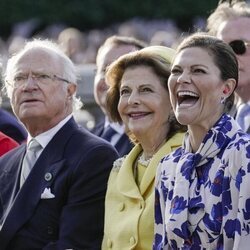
(203, 198)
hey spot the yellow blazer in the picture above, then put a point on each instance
(129, 209)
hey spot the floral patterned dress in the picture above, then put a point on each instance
(203, 198)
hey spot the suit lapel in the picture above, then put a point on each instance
(149, 176)
(169, 146)
(123, 146)
(98, 129)
(9, 185)
(50, 161)
(125, 180)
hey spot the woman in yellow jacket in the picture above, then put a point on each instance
(138, 96)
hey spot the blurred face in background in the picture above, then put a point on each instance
(239, 29)
(104, 59)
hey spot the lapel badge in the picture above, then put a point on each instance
(48, 176)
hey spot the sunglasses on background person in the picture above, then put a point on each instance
(239, 46)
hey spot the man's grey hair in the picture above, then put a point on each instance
(69, 71)
(225, 11)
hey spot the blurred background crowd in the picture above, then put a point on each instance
(81, 26)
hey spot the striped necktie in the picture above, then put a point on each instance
(29, 159)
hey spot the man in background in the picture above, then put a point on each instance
(231, 22)
(113, 48)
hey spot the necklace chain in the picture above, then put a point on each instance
(144, 162)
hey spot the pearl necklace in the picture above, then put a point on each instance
(142, 161)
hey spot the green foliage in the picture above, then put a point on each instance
(87, 14)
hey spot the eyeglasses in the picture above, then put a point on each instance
(40, 79)
(239, 46)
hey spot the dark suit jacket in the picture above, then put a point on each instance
(10, 126)
(75, 165)
(123, 146)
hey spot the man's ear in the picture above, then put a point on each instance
(71, 89)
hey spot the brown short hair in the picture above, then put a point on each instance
(121, 40)
(159, 63)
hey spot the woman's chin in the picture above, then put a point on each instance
(137, 131)
(185, 119)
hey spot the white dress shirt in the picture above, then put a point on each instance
(45, 138)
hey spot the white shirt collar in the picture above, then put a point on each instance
(45, 137)
(119, 128)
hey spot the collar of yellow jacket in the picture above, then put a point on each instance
(125, 180)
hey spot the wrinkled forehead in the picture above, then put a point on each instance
(194, 56)
(37, 60)
(234, 29)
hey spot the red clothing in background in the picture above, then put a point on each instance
(6, 143)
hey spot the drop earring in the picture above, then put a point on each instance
(222, 100)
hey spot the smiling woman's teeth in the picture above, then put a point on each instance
(187, 98)
(187, 93)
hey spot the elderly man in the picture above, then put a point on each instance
(52, 191)
(231, 22)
